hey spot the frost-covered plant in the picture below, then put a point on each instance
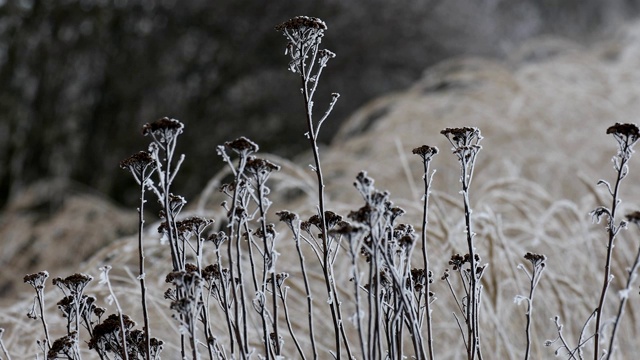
(465, 144)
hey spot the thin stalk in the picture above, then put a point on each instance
(623, 302)
(269, 260)
(472, 303)
(143, 286)
(527, 351)
(321, 210)
(307, 290)
(606, 279)
(125, 353)
(40, 297)
(425, 258)
(283, 297)
(225, 302)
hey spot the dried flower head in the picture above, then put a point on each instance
(140, 164)
(242, 146)
(37, 280)
(464, 136)
(426, 152)
(269, 233)
(345, 228)
(65, 347)
(465, 142)
(287, 217)
(193, 225)
(305, 35)
(457, 261)
(418, 279)
(363, 215)
(106, 335)
(445, 275)
(260, 168)
(218, 238)
(536, 259)
(302, 23)
(163, 130)
(73, 284)
(176, 202)
(626, 135)
(395, 212)
(280, 278)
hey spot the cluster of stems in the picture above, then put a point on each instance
(466, 145)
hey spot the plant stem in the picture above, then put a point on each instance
(612, 229)
(337, 323)
(425, 258)
(623, 302)
(143, 286)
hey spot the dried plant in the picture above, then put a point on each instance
(466, 145)
(232, 297)
(308, 61)
(626, 135)
(538, 264)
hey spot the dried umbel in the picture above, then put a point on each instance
(260, 169)
(218, 238)
(37, 280)
(164, 130)
(304, 34)
(65, 347)
(302, 23)
(193, 225)
(73, 284)
(536, 259)
(626, 135)
(288, 217)
(107, 335)
(242, 146)
(426, 152)
(142, 165)
(466, 144)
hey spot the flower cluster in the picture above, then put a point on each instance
(164, 130)
(37, 280)
(626, 135)
(304, 34)
(426, 152)
(536, 259)
(142, 165)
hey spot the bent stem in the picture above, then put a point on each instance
(2, 347)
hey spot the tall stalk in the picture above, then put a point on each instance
(427, 153)
(465, 142)
(305, 35)
(142, 166)
(626, 135)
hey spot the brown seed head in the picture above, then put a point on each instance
(302, 22)
(426, 152)
(242, 145)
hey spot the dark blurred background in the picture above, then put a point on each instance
(78, 78)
